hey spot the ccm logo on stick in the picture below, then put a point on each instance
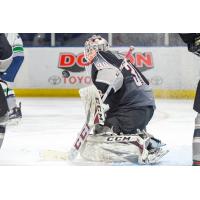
(82, 137)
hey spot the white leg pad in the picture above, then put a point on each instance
(93, 105)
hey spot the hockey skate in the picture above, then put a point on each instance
(154, 143)
(152, 156)
(155, 156)
(152, 152)
(15, 115)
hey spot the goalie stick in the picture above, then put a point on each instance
(82, 136)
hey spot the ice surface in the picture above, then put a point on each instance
(53, 123)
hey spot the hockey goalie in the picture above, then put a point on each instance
(118, 106)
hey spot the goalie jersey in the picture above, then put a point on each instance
(130, 90)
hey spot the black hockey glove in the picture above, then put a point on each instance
(195, 47)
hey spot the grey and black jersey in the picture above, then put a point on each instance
(130, 90)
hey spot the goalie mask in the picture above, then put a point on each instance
(93, 45)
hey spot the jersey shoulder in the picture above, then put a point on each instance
(111, 57)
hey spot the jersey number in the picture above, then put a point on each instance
(136, 76)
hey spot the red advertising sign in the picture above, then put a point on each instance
(77, 63)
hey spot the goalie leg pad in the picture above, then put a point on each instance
(109, 152)
(119, 148)
(93, 105)
(115, 148)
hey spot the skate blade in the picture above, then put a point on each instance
(158, 157)
(53, 155)
(14, 122)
